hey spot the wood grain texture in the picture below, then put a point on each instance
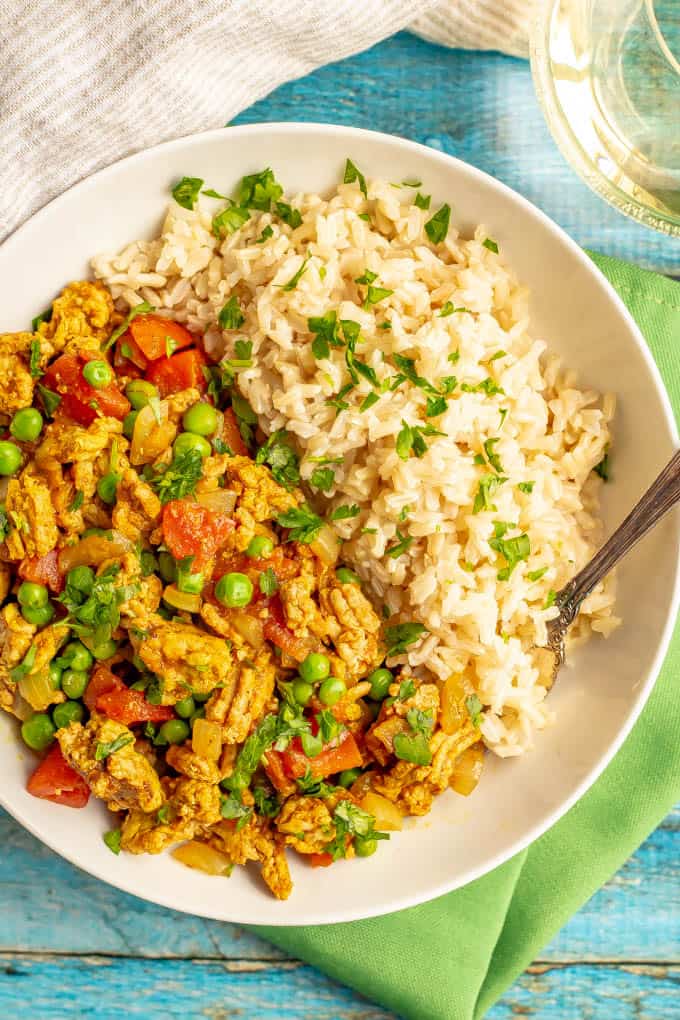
(480, 107)
(72, 946)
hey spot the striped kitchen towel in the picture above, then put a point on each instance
(84, 82)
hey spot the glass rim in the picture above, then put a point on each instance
(563, 133)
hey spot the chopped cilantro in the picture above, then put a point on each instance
(602, 469)
(550, 600)
(437, 227)
(265, 235)
(408, 367)
(267, 803)
(536, 575)
(258, 191)
(402, 635)
(526, 486)
(34, 363)
(422, 201)
(474, 707)
(293, 217)
(369, 400)
(231, 316)
(302, 523)
(229, 220)
(77, 501)
(497, 355)
(375, 294)
(487, 386)
(352, 174)
(233, 808)
(245, 415)
(344, 512)
(513, 550)
(180, 477)
(487, 486)
(493, 458)
(400, 546)
(295, 279)
(323, 478)
(410, 439)
(367, 277)
(415, 747)
(140, 309)
(186, 191)
(351, 820)
(435, 406)
(491, 245)
(325, 328)
(103, 751)
(50, 399)
(211, 193)
(338, 401)
(281, 458)
(39, 319)
(21, 670)
(268, 582)
(449, 309)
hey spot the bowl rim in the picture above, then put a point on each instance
(642, 693)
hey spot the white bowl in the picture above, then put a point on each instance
(597, 700)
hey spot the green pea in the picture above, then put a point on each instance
(129, 423)
(104, 650)
(26, 425)
(79, 658)
(201, 699)
(302, 691)
(81, 578)
(346, 576)
(167, 567)
(198, 714)
(139, 392)
(202, 419)
(174, 731)
(315, 667)
(380, 680)
(260, 547)
(66, 713)
(365, 847)
(331, 690)
(311, 745)
(234, 590)
(74, 682)
(191, 584)
(190, 441)
(40, 616)
(54, 673)
(10, 457)
(37, 732)
(347, 777)
(98, 373)
(186, 707)
(107, 487)
(32, 595)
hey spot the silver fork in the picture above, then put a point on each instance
(660, 497)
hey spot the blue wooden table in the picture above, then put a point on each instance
(72, 946)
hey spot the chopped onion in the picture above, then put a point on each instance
(37, 690)
(153, 433)
(206, 739)
(20, 708)
(93, 550)
(361, 785)
(467, 770)
(387, 815)
(249, 627)
(203, 858)
(326, 545)
(182, 600)
(220, 500)
(453, 711)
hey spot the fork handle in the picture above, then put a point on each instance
(660, 497)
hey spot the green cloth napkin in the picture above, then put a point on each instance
(452, 958)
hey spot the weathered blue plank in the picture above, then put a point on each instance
(45, 988)
(49, 906)
(480, 107)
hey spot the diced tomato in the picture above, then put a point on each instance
(180, 372)
(231, 433)
(129, 707)
(55, 780)
(101, 681)
(339, 754)
(157, 337)
(80, 401)
(320, 860)
(253, 566)
(190, 529)
(274, 769)
(276, 631)
(43, 570)
(128, 356)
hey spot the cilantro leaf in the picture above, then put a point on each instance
(293, 217)
(268, 582)
(435, 406)
(536, 575)
(279, 455)
(602, 469)
(488, 386)
(375, 294)
(352, 174)
(491, 245)
(513, 550)
(102, 751)
(229, 221)
(367, 277)
(186, 191)
(322, 478)
(487, 486)
(369, 400)
(437, 227)
(474, 707)
(408, 367)
(400, 636)
(140, 309)
(231, 316)
(77, 502)
(295, 279)
(233, 808)
(338, 401)
(302, 523)
(399, 547)
(422, 201)
(258, 191)
(112, 840)
(493, 458)
(351, 821)
(526, 486)
(34, 363)
(344, 512)
(180, 477)
(325, 328)
(267, 803)
(265, 235)
(39, 319)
